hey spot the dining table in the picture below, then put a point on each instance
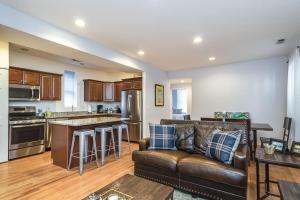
(258, 127)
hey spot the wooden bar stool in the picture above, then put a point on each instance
(120, 128)
(83, 147)
(103, 131)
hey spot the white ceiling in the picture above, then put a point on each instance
(232, 30)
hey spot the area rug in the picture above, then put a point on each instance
(178, 195)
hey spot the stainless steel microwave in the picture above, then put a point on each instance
(24, 92)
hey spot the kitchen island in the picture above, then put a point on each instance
(62, 133)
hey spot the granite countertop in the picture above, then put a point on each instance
(79, 114)
(88, 121)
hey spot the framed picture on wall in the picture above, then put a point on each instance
(159, 95)
(295, 149)
(280, 145)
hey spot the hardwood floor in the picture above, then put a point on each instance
(36, 178)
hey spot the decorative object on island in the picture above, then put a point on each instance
(295, 149)
(280, 145)
(159, 95)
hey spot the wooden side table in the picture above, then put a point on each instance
(279, 159)
(258, 127)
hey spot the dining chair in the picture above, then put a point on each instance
(286, 132)
(211, 119)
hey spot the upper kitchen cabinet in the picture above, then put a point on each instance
(117, 92)
(137, 83)
(132, 83)
(23, 76)
(93, 90)
(31, 78)
(15, 76)
(108, 91)
(50, 87)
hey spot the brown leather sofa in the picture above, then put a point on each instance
(193, 172)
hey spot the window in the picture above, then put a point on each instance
(179, 99)
(70, 89)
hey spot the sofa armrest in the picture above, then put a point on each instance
(144, 144)
(240, 158)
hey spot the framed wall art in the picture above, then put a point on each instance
(159, 95)
(280, 145)
(295, 149)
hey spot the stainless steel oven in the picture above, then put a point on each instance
(24, 92)
(26, 132)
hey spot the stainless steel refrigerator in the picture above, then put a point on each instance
(131, 107)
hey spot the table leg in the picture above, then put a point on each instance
(267, 178)
(257, 181)
(255, 140)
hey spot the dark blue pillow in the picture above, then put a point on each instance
(223, 145)
(162, 137)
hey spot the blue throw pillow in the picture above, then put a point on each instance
(223, 145)
(162, 137)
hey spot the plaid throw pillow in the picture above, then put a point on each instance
(162, 137)
(223, 145)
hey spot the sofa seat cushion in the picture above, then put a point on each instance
(197, 165)
(159, 158)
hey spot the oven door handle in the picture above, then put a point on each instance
(28, 125)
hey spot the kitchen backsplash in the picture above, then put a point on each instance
(58, 106)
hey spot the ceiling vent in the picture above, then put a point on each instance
(280, 41)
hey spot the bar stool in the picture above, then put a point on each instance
(120, 128)
(83, 147)
(104, 131)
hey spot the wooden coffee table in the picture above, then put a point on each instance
(139, 188)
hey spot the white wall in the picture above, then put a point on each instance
(293, 98)
(258, 87)
(18, 59)
(4, 60)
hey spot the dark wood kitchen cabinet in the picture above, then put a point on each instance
(108, 91)
(132, 83)
(23, 76)
(93, 90)
(31, 78)
(15, 76)
(137, 83)
(118, 90)
(50, 87)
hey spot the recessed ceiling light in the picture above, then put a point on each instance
(197, 40)
(79, 23)
(141, 53)
(212, 58)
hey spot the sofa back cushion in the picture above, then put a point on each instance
(162, 137)
(185, 137)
